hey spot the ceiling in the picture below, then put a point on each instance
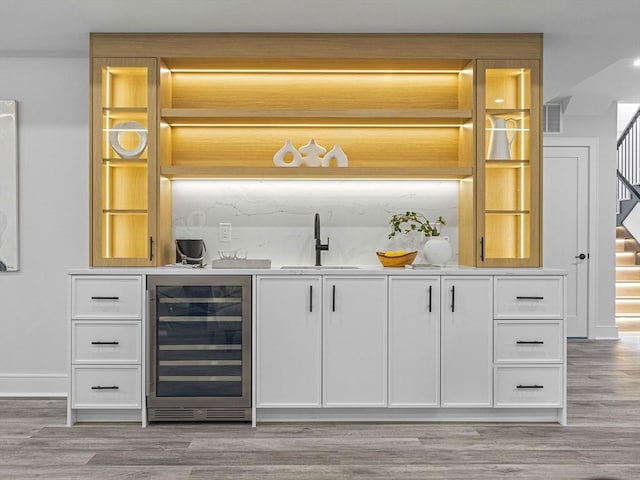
(590, 45)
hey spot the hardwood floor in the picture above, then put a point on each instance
(601, 441)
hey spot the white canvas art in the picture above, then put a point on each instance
(8, 187)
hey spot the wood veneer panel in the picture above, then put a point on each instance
(296, 45)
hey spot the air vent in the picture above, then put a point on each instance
(552, 118)
(199, 414)
(228, 414)
(171, 414)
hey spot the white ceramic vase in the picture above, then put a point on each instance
(312, 154)
(338, 154)
(437, 251)
(287, 151)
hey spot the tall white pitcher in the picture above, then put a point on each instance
(501, 139)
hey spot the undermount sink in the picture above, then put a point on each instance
(322, 267)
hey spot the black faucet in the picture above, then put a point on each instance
(319, 245)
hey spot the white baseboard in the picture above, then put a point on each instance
(33, 385)
(609, 332)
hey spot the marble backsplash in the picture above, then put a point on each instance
(274, 219)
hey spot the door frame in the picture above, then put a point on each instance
(591, 144)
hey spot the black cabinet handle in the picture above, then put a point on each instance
(582, 256)
(105, 343)
(529, 298)
(529, 386)
(333, 298)
(453, 298)
(150, 248)
(482, 249)
(105, 298)
(430, 287)
(310, 298)
(99, 387)
(530, 342)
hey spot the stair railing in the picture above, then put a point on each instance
(628, 149)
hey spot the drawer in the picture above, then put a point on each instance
(106, 387)
(528, 297)
(106, 297)
(106, 342)
(528, 386)
(528, 341)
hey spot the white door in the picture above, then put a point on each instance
(566, 227)
(289, 355)
(414, 341)
(467, 341)
(355, 342)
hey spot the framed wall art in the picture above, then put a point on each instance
(8, 186)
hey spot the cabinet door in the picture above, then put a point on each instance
(508, 160)
(355, 342)
(466, 341)
(414, 341)
(123, 162)
(289, 329)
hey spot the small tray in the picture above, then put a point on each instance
(422, 266)
(244, 263)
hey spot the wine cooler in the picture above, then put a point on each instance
(199, 339)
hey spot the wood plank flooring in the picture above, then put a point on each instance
(602, 440)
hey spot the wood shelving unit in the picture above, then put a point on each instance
(401, 106)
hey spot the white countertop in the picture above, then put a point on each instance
(325, 270)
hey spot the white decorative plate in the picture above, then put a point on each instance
(134, 127)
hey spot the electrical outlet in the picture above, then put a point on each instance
(224, 232)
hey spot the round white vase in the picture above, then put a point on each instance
(437, 251)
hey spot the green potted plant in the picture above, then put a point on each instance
(414, 222)
(437, 251)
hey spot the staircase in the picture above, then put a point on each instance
(628, 229)
(627, 281)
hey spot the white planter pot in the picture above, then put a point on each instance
(437, 251)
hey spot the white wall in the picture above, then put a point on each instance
(53, 153)
(603, 128)
(53, 214)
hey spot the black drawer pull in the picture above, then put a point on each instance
(333, 298)
(530, 386)
(310, 298)
(105, 298)
(529, 298)
(530, 342)
(430, 288)
(99, 387)
(105, 343)
(453, 298)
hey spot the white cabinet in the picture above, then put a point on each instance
(526, 341)
(529, 343)
(106, 351)
(321, 341)
(466, 341)
(289, 342)
(355, 341)
(529, 297)
(414, 341)
(533, 386)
